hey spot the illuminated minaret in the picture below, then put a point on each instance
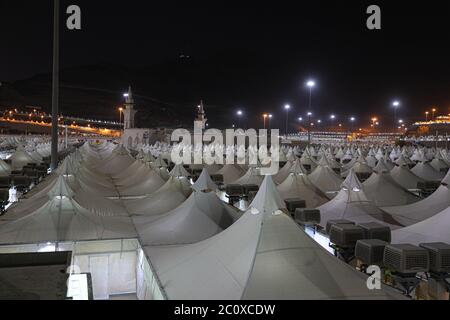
(129, 112)
(201, 115)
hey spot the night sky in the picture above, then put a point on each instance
(358, 72)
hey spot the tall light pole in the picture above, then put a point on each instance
(395, 104)
(426, 116)
(120, 115)
(374, 122)
(309, 127)
(55, 86)
(287, 108)
(352, 121)
(332, 118)
(433, 112)
(310, 84)
(239, 114)
(270, 118)
(265, 115)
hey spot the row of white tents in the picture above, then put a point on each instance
(188, 246)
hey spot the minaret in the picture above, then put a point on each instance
(129, 112)
(201, 115)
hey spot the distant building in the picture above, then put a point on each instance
(201, 115)
(129, 112)
(440, 124)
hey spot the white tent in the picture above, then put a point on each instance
(384, 191)
(352, 203)
(21, 158)
(252, 176)
(283, 173)
(230, 173)
(428, 207)
(62, 218)
(200, 217)
(298, 185)
(263, 255)
(404, 177)
(179, 171)
(151, 184)
(425, 171)
(433, 229)
(174, 192)
(204, 182)
(325, 179)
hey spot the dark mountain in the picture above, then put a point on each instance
(166, 94)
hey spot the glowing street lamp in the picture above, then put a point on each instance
(352, 120)
(270, 117)
(433, 112)
(332, 118)
(310, 84)
(395, 105)
(120, 115)
(426, 115)
(265, 115)
(239, 114)
(309, 127)
(287, 108)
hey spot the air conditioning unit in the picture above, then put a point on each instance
(346, 235)
(406, 258)
(439, 256)
(294, 203)
(370, 251)
(330, 223)
(376, 230)
(234, 190)
(250, 187)
(307, 216)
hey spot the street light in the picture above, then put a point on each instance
(352, 120)
(332, 117)
(287, 108)
(120, 115)
(265, 115)
(270, 117)
(309, 127)
(426, 115)
(395, 104)
(310, 84)
(434, 111)
(374, 122)
(239, 114)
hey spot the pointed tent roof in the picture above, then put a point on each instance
(422, 210)
(179, 171)
(352, 203)
(404, 177)
(381, 166)
(61, 189)
(433, 229)
(297, 168)
(172, 194)
(382, 189)
(204, 182)
(201, 216)
(352, 182)
(263, 255)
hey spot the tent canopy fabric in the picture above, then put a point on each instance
(264, 255)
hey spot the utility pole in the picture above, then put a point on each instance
(55, 86)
